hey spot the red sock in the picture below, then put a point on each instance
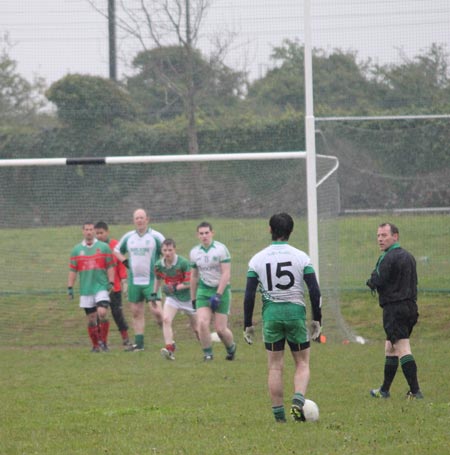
(124, 334)
(170, 347)
(93, 335)
(104, 330)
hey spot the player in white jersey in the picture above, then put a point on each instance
(143, 248)
(211, 291)
(280, 270)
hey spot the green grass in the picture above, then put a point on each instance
(70, 401)
(58, 398)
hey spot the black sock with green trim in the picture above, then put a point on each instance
(390, 369)
(409, 368)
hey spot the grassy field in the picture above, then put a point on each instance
(59, 398)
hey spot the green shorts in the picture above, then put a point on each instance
(294, 331)
(139, 293)
(205, 292)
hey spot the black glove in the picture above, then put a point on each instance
(194, 304)
(373, 288)
(125, 263)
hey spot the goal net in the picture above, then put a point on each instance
(44, 206)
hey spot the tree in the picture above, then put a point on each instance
(19, 98)
(159, 84)
(422, 82)
(89, 101)
(340, 81)
(167, 23)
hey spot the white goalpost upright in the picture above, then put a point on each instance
(313, 237)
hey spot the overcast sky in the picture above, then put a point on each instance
(51, 38)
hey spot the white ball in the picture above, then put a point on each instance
(215, 338)
(311, 411)
(360, 340)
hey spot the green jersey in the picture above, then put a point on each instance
(91, 263)
(177, 273)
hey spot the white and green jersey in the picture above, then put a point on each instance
(208, 260)
(143, 251)
(91, 262)
(280, 269)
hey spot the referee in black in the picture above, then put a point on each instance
(395, 280)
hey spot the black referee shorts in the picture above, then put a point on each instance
(399, 320)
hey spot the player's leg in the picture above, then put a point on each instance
(193, 323)
(102, 304)
(225, 334)
(169, 312)
(391, 356)
(409, 367)
(87, 303)
(275, 357)
(221, 325)
(204, 315)
(118, 316)
(299, 344)
(274, 341)
(156, 311)
(406, 318)
(301, 379)
(91, 316)
(136, 297)
(155, 307)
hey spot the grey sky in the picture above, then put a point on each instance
(53, 37)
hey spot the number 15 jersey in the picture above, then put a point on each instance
(280, 269)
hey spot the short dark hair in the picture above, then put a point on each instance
(169, 242)
(393, 227)
(87, 223)
(205, 224)
(281, 225)
(101, 225)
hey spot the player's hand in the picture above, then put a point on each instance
(215, 301)
(249, 333)
(110, 287)
(70, 292)
(373, 288)
(194, 304)
(126, 263)
(315, 330)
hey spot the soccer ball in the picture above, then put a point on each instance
(311, 411)
(215, 337)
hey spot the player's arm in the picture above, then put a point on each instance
(382, 273)
(316, 302)
(157, 284)
(194, 283)
(314, 295)
(225, 276)
(71, 279)
(119, 251)
(249, 305)
(70, 283)
(111, 273)
(186, 283)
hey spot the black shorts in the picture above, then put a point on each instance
(399, 320)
